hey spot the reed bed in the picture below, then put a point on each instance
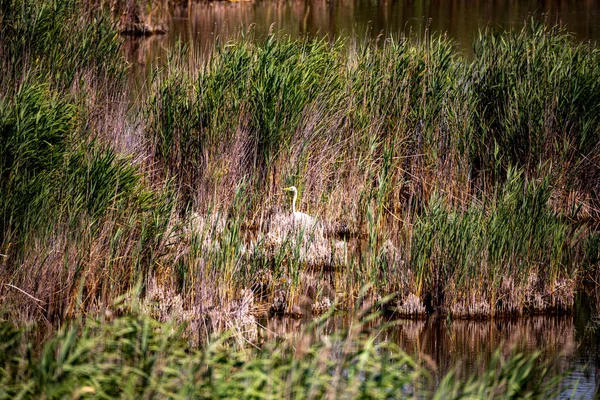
(463, 201)
(67, 196)
(446, 186)
(459, 187)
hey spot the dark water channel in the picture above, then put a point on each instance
(572, 342)
(443, 345)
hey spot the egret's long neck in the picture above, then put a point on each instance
(294, 202)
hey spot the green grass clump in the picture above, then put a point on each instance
(35, 129)
(48, 172)
(61, 41)
(537, 100)
(495, 251)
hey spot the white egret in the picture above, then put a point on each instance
(300, 218)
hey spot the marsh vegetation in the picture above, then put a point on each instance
(446, 186)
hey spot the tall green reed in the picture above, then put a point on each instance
(59, 41)
(536, 102)
(504, 244)
(66, 193)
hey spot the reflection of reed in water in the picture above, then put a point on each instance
(465, 343)
(460, 19)
(141, 50)
(440, 346)
(295, 330)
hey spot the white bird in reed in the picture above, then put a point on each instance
(300, 218)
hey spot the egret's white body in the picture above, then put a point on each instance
(301, 231)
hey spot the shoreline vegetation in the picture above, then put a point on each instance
(441, 186)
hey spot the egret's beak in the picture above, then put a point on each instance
(287, 189)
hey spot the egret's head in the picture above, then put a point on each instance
(291, 189)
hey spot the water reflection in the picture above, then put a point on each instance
(201, 23)
(444, 345)
(461, 19)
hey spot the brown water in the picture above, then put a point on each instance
(201, 24)
(460, 19)
(570, 342)
(443, 345)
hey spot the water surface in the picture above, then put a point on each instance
(201, 24)
(467, 346)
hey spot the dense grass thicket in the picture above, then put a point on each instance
(472, 185)
(66, 195)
